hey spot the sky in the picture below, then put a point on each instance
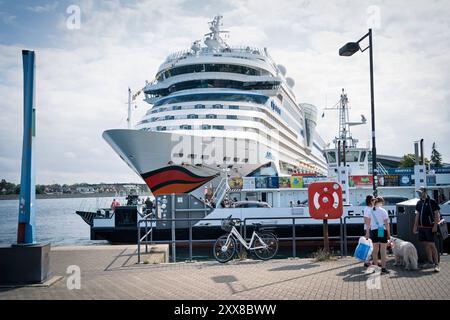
(89, 52)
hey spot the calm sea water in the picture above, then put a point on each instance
(56, 221)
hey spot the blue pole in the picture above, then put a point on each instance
(27, 199)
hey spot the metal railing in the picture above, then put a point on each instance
(345, 237)
(242, 227)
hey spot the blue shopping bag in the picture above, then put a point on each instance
(364, 249)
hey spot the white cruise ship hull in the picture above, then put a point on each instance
(173, 163)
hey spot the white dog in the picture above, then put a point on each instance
(405, 253)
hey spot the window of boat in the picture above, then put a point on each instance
(159, 128)
(362, 157)
(176, 108)
(209, 67)
(211, 116)
(243, 97)
(169, 117)
(192, 116)
(351, 156)
(217, 106)
(199, 106)
(331, 156)
(231, 117)
(185, 127)
(219, 127)
(206, 127)
(233, 107)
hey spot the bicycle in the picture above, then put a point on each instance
(263, 242)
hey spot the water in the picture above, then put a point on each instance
(56, 221)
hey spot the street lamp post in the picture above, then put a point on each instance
(348, 50)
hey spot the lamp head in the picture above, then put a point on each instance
(349, 49)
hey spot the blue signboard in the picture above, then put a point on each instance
(405, 180)
(272, 182)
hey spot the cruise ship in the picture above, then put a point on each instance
(216, 108)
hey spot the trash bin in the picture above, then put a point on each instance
(406, 214)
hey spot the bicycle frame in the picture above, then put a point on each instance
(247, 246)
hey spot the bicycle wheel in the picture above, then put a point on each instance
(224, 253)
(271, 241)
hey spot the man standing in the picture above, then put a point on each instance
(426, 222)
(149, 205)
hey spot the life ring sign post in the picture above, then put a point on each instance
(325, 202)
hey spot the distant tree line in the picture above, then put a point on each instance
(409, 160)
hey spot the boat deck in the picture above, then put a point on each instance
(111, 273)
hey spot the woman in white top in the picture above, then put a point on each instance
(370, 202)
(377, 228)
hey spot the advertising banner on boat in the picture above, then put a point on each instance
(360, 181)
(235, 183)
(284, 182)
(261, 182)
(272, 182)
(389, 180)
(405, 180)
(308, 180)
(296, 182)
(248, 183)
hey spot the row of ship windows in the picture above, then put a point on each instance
(198, 106)
(210, 116)
(205, 156)
(196, 116)
(211, 67)
(214, 83)
(236, 97)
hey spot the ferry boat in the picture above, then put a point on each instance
(225, 136)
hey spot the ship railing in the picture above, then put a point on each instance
(381, 169)
(206, 51)
(220, 191)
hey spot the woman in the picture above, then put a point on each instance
(377, 228)
(370, 200)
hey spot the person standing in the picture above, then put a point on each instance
(149, 205)
(425, 225)
(370, 200)
(378, 230)
(114, 204)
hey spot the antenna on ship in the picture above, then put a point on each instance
(131, 98)
(345, 123)
(213, 39)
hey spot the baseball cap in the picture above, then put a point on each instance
(422, 189)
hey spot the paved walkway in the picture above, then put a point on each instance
(112, 274)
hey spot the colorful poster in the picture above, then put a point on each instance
(272, 182)
(389, 180)
(296, 182)
(235, 183)
(261, 182)
(284, 182)
(361, 180)
(308, 180)
(248, 183)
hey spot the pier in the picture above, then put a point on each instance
(111, 272)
